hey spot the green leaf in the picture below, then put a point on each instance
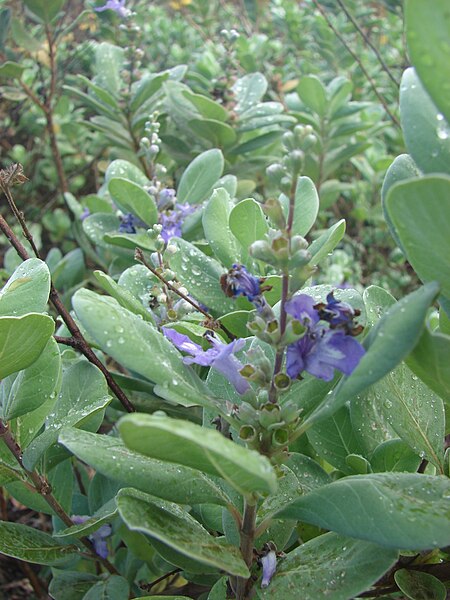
(71, 585)
(398, 510)
(313, 94)
(5, 22)
(132, 198)
(430, 360)
(288, 489)
(248, 91)
(11, 70)
(306, 206)
(200, 274)
(401, 169)
(104, 514)
(218, 133)
(418, 585)
(207, 107)
(119, 332)
(188, 444)
(22, 340)
(123, 296)
(329, 566)
(394, 455)
(426, 133)
(420, 211)
(308, 472)
(45, 10)
(84, 394)
(32, 545)
(108, 65)
(217, 231)
(129, 240)
(414, 412)
(427, 34)
(27, 390)
(259, 141)
(327, 242)
(247, 222)
(219, 590)
(27, 289)
(125, 170)
(198, 179)
(369, 421)
(388, 343)
(109, 456)
(173, 526)
(334, 439)
(112, 588)
(98, 225)
(145, 89)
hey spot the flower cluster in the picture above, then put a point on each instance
(172, 220)
(328, 342)
(220, 356)
(129, 223)
(239, 282)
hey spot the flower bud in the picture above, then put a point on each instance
(273, 209)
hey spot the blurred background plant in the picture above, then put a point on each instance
(79, 87)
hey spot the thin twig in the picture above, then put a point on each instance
(42, 486)
(358, 60)
(139, 256)
(81, 343)
(284, 292)
(148, 586)
(40, 587)
(368, 42)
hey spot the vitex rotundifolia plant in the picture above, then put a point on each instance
(284, 439)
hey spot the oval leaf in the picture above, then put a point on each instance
(189, 444)
(174, 526)
(398, 510)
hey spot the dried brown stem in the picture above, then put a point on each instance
(358, 61)
(42, 486)
(367, 41)
(78, 340)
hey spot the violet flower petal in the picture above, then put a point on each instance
(301, 307)
(181, 341)
(269, 567)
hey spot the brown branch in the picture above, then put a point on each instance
(367, 41)
(40, 587)
(81, 343)
(139, 256)
(42, 486)
(148, 586)
(360, 64)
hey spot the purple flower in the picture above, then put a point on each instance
(98, 537)
(172, 220)
(269, 567)
(322, 349)
(219, 357)
(339, 315)
(86, 212)
(129, 223)
(118, 6)
(239, 282)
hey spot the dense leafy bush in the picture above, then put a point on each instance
(208, 387)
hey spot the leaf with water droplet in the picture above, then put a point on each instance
(328, 567)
